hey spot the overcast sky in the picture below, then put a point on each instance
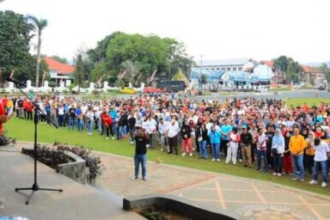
(216, 29)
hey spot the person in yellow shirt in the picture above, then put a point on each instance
(297, 145)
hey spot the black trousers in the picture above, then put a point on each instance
(173, 144)
(309, 163)
(108, 130)
(224, 146)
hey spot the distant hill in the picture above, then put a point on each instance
(316, 64)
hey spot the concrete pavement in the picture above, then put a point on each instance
(245, 197)
(76, 202)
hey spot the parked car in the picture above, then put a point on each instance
(152, 90)
(127, 90)
(321, 88)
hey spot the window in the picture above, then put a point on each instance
(240, 68)
(218, 68)
(228, 69)
(234, 69)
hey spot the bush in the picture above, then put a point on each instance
(53, 156)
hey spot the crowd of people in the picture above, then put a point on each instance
(265, 134)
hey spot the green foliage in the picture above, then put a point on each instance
(120, 83)
(293, 72)
(37, 26)
(326, 70)
(14, 46)
(83, 70)
(203, 79)
(152, 214)
(99, 72)
(291, 68)
(137, 54)
(132, 70)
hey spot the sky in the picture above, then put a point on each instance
(211, 29)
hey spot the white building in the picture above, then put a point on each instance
(230, 65)
(59, 71)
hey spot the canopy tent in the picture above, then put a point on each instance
(181, 76)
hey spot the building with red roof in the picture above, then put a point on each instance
(59, 71)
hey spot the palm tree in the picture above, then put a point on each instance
(132, 69)
(37, 26)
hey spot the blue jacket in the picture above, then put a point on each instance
(113, 114)
(215, 137)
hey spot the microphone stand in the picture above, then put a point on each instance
(35, 187)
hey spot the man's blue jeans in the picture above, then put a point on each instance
(71, 122)
(140, 159)
(90, 126)
(215, 151)
(80, 124)
(324, 167)
(262, 154)
(202, 149)
(114, 128)
(298, 161)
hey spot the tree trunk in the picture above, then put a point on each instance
(38, 61)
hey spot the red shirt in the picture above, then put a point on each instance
(106, 119)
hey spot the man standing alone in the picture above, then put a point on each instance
(140, 156)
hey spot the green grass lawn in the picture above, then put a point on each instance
(309, 101)
(23, 131)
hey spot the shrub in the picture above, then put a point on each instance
(53, 156)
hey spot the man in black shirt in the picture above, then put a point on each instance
(140, 156)
(246, 142)
(270, 134)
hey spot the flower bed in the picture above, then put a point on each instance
(54, 156)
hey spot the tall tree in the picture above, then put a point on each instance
(132, 70)
(78, 74)
(37, 25)
(14, 46)
(326, 70)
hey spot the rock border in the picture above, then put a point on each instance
(178, 205)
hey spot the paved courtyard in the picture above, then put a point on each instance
(244, 197)
(76, 202)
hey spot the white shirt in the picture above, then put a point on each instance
(163, 128)
(149, 126)
(61, 111)
(90, 115)
(241, 112)
(173, 130)
(261, 142)
(290, 124)
(84, 109)
(321, 151)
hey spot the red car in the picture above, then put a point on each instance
(152, 90)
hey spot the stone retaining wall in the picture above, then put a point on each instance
(76, 170)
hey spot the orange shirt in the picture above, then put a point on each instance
(297, 144)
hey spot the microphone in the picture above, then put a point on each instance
(17, 83)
